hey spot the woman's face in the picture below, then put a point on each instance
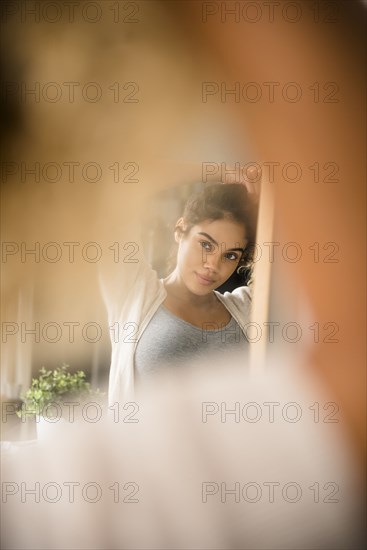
(208, 255)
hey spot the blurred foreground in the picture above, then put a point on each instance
(230, 460)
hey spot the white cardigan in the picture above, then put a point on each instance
(132, 293)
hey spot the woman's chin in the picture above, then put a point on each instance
(200, 289)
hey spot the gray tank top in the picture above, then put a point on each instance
(169, 341)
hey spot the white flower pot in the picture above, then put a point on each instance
(48, 429)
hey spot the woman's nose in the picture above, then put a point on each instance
(212, 261)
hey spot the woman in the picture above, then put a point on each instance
(156, 323)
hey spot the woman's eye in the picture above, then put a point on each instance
(206, 245)
(231, 256)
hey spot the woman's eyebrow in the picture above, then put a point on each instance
(215, 242)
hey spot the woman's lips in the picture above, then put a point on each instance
(204, 280)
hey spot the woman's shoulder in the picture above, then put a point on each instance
(238, 302)
(240, 294)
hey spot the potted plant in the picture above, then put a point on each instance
(56, 395)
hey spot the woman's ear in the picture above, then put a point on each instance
(179, 229)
